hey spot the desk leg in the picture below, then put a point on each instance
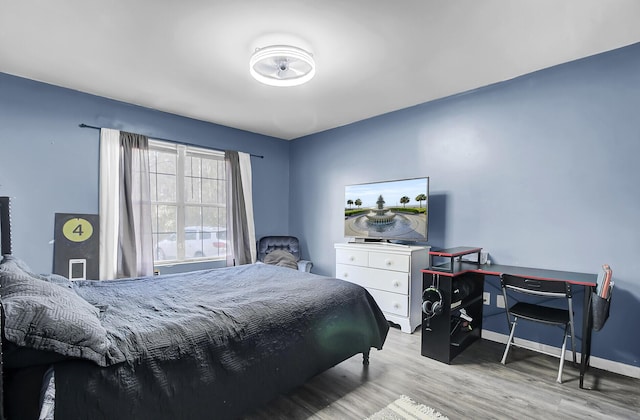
(587, 324)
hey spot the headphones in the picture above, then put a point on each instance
(432, 302)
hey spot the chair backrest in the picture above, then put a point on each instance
(266, 244)
(537, 287)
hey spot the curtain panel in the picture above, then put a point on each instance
(135, 257)
(109, 202)
(241, 237)
(126, 243)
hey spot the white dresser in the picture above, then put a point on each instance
(391, 273)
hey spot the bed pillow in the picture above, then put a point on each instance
(281, 258)
(43, 315)
(57, 279)
(53, 278)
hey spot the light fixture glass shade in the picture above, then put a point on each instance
(282, 65)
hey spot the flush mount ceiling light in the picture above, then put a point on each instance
(282, 65)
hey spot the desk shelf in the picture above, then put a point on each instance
(440, 340)
(448, 260)
(460, 338)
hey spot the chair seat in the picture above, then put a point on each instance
(540, 313)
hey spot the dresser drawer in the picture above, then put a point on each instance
(373, 278)
(391, 302)
(352, 256)
(386, 261)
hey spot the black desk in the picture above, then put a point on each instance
(588, 281)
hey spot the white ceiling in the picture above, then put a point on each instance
(190, 57)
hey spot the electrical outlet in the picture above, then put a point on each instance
(486, 298)
(500, 301)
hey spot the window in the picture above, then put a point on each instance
(188, 199)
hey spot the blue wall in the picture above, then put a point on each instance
(49, 165)
(541, 171)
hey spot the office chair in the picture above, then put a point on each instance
(537, 312)
(267, 244)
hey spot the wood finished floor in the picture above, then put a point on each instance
(474, 386)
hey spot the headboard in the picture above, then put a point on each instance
(5, 226)
(5, 249)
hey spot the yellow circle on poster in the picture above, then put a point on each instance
(77, 230)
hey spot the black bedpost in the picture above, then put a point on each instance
(1, 367)
(5, 249)
(5, 226)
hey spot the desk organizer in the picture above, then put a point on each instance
(600, 310)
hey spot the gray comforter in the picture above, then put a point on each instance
(214, 344)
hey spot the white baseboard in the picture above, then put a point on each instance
(596, 362)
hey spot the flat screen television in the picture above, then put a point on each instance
(388, 210)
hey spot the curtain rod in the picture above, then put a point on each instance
(83, 125)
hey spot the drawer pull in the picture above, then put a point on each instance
(352, 258)
(396, 283)
(345, 275)
(396, 305)
(388, 262)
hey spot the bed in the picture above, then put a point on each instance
(206, 344)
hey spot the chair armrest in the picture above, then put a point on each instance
(304, 265)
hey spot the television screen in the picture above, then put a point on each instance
(395, 210)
